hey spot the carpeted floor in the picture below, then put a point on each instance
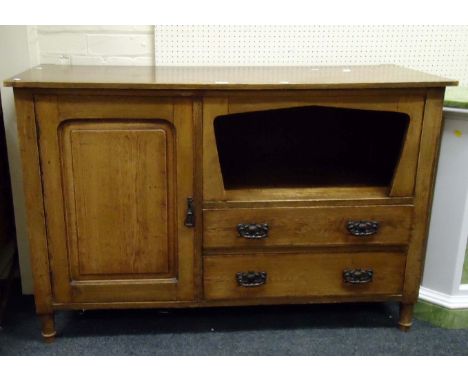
(350, 329)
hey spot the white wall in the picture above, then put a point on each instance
(94, 45)
(16, 57)
(449, 221)
(437, 49)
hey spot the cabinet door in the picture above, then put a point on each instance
(117, 174)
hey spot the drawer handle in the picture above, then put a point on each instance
(362, 227)
(253, 231)
(251, 279)
(358, 276)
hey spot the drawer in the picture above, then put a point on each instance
(303, 275)
(306, 226)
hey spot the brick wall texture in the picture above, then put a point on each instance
(94, 45)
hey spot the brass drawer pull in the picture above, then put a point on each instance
(358, 276)
(251, 279)
(362, 227)
(253, 231)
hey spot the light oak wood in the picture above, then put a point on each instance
(202, 303)
(427, 164)
(306, 226)
(119, 178)
(406, 317)
(118, 235)
(402, 185)
(225, 77)
(287, 197)
(32, 179)
(48, 327)
(99, 107)
(302, 274)
(110, 156)
(334, 198)
(197, 113)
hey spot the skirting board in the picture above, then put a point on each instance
(444, 300)
(440, 309)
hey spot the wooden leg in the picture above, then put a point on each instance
(48, 327)
(406, 317)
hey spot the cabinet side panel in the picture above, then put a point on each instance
(34, 200)
(427, 163)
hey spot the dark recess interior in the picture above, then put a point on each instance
(311, 146)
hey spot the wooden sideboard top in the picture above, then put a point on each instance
(225, 78)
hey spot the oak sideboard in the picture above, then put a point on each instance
(221, 186)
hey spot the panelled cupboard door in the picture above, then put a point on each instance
(117, 173)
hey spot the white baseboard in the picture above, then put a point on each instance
(442, 299)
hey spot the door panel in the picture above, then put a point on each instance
(120, 180)
(115, 191)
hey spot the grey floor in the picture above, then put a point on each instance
(350, 329)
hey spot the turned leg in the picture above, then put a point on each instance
(48, 327)
(406, 317)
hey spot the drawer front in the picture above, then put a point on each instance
(303, 275)
(306, 226)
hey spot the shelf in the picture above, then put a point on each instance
(309, 147)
